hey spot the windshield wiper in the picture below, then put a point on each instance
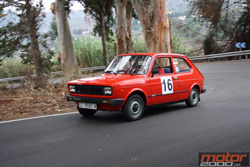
(121, 71)
(110, 72)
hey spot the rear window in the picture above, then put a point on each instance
(181, 65)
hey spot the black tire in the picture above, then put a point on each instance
(194, 97)
(133, 108)
(86, 112)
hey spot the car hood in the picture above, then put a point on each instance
(112, 80)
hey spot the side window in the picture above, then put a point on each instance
(181, 65)
(163, 65)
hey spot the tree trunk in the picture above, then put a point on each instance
(104, 43)
(68, 59)
(121, 27)
(32, 26)
(124, 42)
(129, 42)
(155, 24)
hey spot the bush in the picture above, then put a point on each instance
(12, 67)
(139, 46)
(89, 51)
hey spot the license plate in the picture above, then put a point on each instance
(91, 106)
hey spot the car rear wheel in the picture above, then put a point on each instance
(133, 108)
(193, 97)
(86, 112)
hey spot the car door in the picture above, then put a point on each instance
(163, 86)
(184, 77)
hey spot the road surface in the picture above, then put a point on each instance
(171, 135)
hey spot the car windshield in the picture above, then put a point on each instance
(129, 65)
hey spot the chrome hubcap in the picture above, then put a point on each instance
(194, 97)
(135, 108)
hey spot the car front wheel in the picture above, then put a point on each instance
(193, 98)
(86, 112)
(133, 108)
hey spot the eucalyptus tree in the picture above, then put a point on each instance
(66, 56)
(155, 24)
(124, 11)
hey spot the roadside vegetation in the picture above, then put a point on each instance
(88, 51)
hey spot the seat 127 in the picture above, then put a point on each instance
(132, 82)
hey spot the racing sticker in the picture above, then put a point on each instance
(167, 85)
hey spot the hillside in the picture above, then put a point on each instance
(177, 5)
(77, 20)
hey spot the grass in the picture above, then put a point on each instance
(88, 50)
(13, 67)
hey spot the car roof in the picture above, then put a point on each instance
(154, 54)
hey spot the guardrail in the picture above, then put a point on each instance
(222, 55)
(194, 58)
(52, 73)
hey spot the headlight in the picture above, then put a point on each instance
(72, 89)
(107, 91)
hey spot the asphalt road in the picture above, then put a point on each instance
(166, 136)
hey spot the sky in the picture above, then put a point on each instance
(76, 5)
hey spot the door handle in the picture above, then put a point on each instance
(175, 78)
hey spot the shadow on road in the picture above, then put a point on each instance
(161, 109)
(105, 117)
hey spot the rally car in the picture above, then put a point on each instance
(132, 82)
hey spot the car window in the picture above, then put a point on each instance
(129, 65)
(181, 65)
(162, 65)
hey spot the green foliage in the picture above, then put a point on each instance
(187, 36)
(10, 39)
(108, 30)
(12, 67)
(89, 51)
(16, 66)
(22, 35)
(242, 28)
(53, 29)
(136, 28)
(12, 31)
(210, 45)
(178, 45)
(77, 31)
(139, 46)
(228, 21)
(48, 64)
(99, 9)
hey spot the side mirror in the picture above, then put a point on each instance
(154, 71)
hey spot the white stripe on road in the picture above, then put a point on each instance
(46, 116)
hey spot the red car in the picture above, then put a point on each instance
(132, 82)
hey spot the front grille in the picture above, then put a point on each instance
(89, 90)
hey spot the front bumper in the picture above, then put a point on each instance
(112, 102)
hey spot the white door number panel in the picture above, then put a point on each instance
(167, 85)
